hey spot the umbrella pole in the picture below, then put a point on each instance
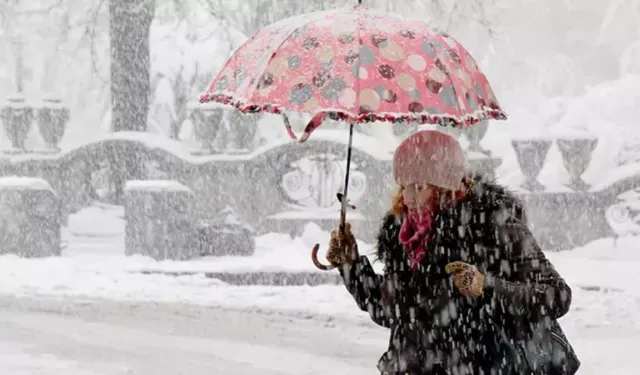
(343, 208)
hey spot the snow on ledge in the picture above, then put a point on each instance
(24, 183)
(615, 175)
(361, 142)
(156, 186)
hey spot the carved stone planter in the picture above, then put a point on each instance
(52, 122)
(207, 123)
(481, 163)
(17, 118)
(240, 132)
(402, 130)
(454, 132)
(576, 156)
(531, 154)
(475, 134)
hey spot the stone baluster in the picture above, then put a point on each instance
(402, 130)
(17, 117)
(531, 154)
(239, 131)
(475, 134)
(206, 120)
(52, 122)
(480, 158)
(576, 155)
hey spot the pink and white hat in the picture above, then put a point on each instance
(430, 157)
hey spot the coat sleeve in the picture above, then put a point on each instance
(372, 292)
(528, 284)
(366, 286)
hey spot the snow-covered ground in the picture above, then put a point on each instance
(74, 337)
(93, 272)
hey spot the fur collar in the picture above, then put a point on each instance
(495, 202)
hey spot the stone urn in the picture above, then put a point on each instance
(484, 164)
(454, 132)
(402, 130)
(53, 118)
(576, 156)
(206, 119)
(474, 134)
(531, 154)
(17, 117)
(241, 130)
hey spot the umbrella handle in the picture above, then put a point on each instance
(344, 203)
(314, 251)
(316, 262)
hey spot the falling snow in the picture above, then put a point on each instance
(144, 233)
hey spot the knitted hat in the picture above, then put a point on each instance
(430, 157)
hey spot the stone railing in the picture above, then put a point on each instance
(283, 185)
(578, 213)
(278, 187)
(18, 116)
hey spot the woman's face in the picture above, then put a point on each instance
(416, 196)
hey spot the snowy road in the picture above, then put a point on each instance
(79, 315)
(102, 337)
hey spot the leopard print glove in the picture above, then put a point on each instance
(467, 278)
(342, 247)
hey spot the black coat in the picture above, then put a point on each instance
(511, 329)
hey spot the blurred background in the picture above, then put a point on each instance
(546, 59)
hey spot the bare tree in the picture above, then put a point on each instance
(251, 16)
(129, 27)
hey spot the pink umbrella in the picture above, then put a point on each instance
(357, 65)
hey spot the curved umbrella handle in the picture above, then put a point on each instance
(316, 262)
(314, 251)
(342, 197)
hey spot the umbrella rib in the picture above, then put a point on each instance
(358, 34)
(447, 72)
(284, 40)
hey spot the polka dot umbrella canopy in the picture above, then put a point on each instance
(359, 65)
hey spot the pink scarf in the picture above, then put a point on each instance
(414, 233)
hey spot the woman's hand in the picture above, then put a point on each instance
(467, 278)
(343, 248)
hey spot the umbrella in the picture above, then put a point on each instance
(357, 65)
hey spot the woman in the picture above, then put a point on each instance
(466, 289)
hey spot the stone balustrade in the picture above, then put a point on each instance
(282, 186)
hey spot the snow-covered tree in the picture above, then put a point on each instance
(129, 29)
